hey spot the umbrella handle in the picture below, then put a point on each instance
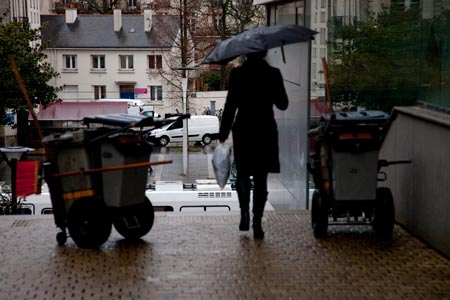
(282, 52)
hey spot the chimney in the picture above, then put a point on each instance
(148, 14)
(71, 15)
(117, 19)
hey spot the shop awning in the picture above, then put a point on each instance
(76, 111)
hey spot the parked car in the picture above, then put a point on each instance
(203, 129)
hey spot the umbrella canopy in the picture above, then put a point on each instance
(258, 39)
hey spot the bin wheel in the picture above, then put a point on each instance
(88, 223)
(383, 222)
(319, 214)
(135, 221)
(61, 238)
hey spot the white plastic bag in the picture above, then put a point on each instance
(221, 163)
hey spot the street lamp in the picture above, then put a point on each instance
(11, 155)
(184, 86)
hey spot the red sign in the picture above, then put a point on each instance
(140, 90)
(27, 180)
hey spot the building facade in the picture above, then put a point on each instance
(20, 10)
(115, 56)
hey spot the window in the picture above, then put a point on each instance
(70, 92)
(156, 93)
(98, 61)
(126, 62)
(70, 61)
(162, 3)
(322, 52)
(176, 125)
(322, 36)
(155, 62)
(99, 92)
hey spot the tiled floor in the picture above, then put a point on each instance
(206, 257)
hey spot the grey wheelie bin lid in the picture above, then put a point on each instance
(366, 116)
(125, 120)
(353, 131)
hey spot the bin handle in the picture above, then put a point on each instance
(112, 168)
(384, 163)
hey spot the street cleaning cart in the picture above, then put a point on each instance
(346, 170)
(97, 178)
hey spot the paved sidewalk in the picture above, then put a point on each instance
(206, 257)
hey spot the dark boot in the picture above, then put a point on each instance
(243, 191)
(244, 225)
(258, 233)
(259, 201)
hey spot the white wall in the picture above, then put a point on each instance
(201, 100)
(45, 6)
(421, 189)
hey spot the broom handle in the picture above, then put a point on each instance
(15, 70)
(112, 168)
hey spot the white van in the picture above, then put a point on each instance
(135, 107)
(200, 129)
(149, 111)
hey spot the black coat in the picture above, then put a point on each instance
(253, 90)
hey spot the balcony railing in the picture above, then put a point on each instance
(60, 7)
(86, 8)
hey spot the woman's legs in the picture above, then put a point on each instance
(243, 186)
(259, 201)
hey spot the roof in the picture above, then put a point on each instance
(97, 31)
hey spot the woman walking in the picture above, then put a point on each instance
(254, 88)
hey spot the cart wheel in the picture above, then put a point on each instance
(383, 222)
(135, 221)
(319, 214)
(88, 223)
(61, 238)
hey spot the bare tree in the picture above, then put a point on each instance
(231, 17)
(182, 54)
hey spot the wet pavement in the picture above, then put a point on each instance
(204, 256)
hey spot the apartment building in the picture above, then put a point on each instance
(324, 16)
(19, 10)
(115, 56)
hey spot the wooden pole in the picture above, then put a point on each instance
(112, 168)
(16, 72)
(329, 103)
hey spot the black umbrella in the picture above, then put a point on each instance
(258, 39)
